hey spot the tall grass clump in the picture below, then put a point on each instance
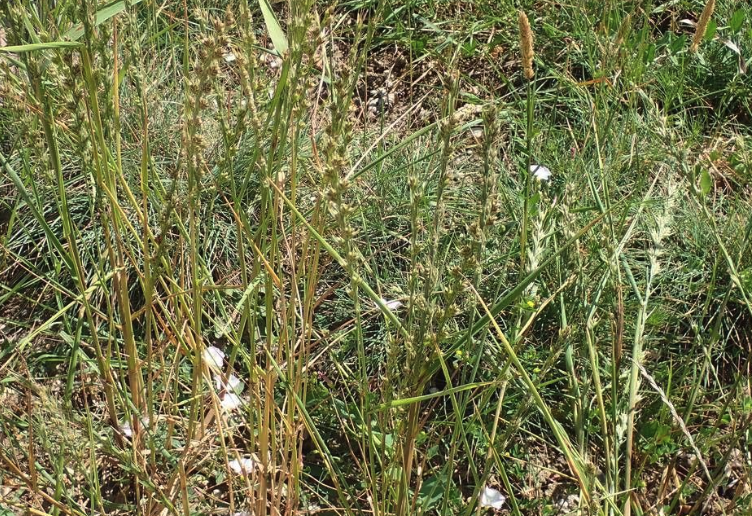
(228, 286)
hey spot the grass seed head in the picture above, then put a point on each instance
(526, 46)
(702, 25)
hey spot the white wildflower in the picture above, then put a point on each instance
(392, 305)
(244, 466)
(127, 429)
(491, 497)
(214, 357)
(540, 173)
(230, 401)
(234, 384)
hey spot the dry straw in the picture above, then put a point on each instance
(526, 45)
(702, 25)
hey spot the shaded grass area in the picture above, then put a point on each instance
(409, 317)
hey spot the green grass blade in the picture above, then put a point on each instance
(102, 15)
(419, 399)
(275, 30)
(32, 47)
(37, 214)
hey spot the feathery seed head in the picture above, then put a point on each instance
(702, 25)
(526, 46)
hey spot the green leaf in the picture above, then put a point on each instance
(101, 16)
(655, 432)
(533, 204)
(418, 45)
(677, 44)
(737, 20)
(650, 53)
(279, 40)
(705, 181)
(381, 440)
(745, 277)
(432, 491)
(468, 49)
(31, 47)
(747, 405)
(710, 31)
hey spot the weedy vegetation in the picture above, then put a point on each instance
(375, 257)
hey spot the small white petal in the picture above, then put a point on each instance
(127, 429)
(230, 401)
(244, 466)
(540, 173)
(234, 384)
(491, 497)
(215, 357)
(229, 57)
(392, 305)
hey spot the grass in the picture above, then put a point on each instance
(339, 199)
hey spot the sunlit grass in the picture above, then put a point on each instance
(230, 281)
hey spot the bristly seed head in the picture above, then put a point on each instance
(702, 25)
(526, 46)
